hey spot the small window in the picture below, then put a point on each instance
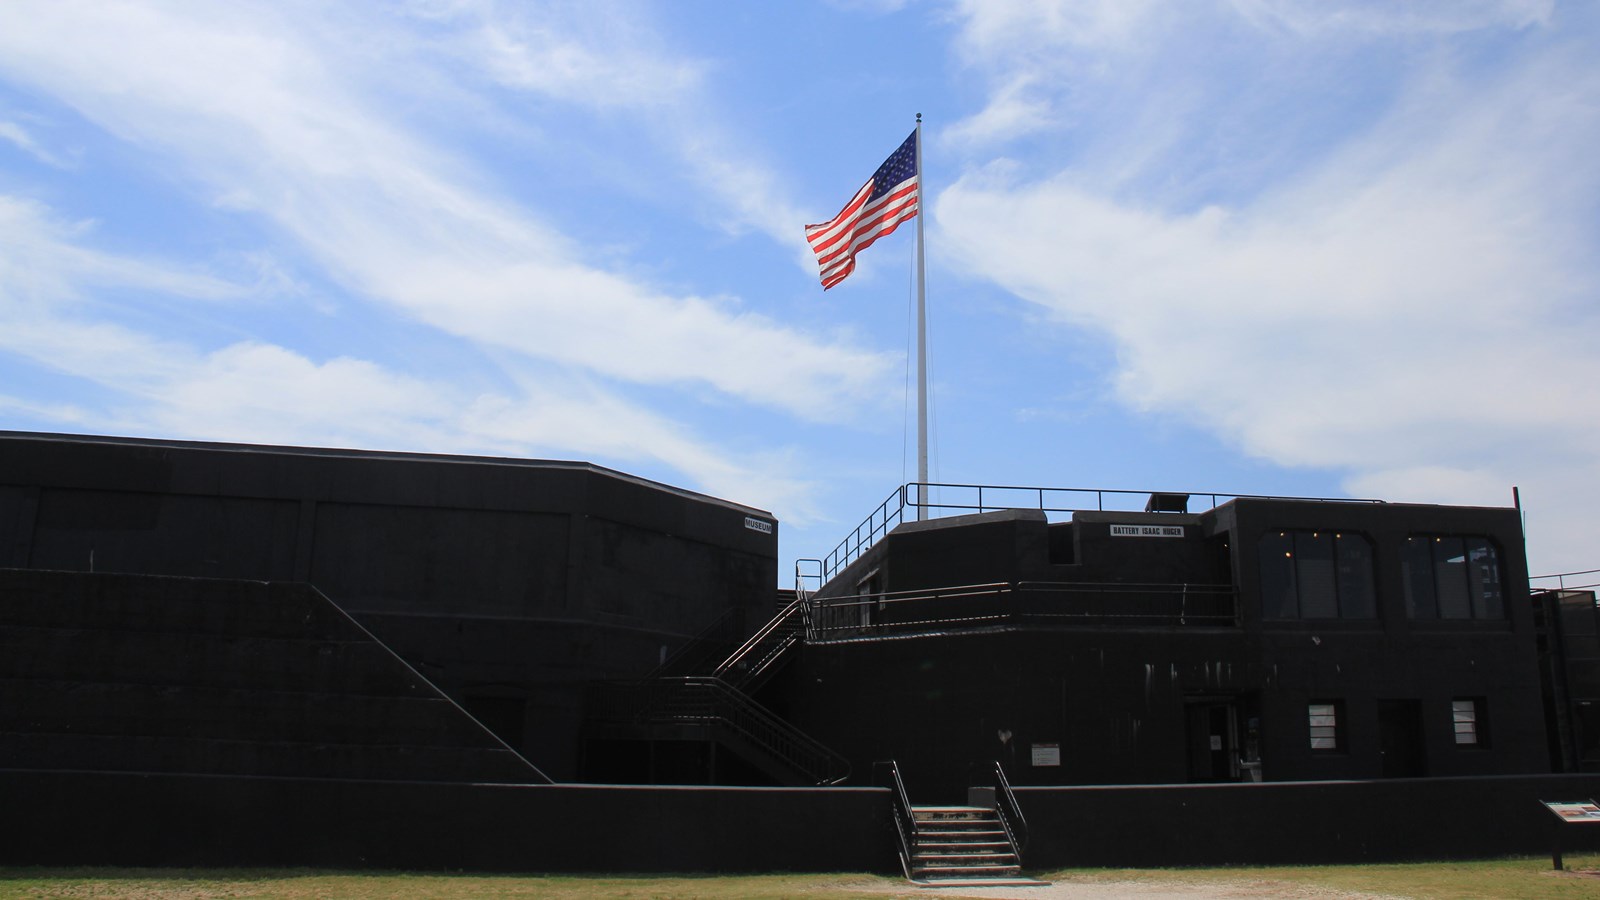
(1470, 725)
(1326, 731)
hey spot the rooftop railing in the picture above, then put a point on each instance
(1586, 580)
(936, 500)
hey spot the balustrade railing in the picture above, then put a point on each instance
(934, 500)
(709, 702)
(1023, 604)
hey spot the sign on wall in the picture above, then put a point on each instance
(1164, 531)
(1047, 754)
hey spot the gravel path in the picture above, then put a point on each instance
(1149, 890)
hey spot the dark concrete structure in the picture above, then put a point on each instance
(1265, 639)
(509, 584)
(217, 654)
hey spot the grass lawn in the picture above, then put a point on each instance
(1518, 878)
(1513, 879)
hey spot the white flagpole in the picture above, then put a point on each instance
(922, 346)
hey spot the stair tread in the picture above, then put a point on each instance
(1017, 881)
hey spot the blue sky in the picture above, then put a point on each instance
(1301, 247)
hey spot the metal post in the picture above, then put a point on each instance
(922, 344)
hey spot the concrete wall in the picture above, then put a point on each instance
(509, 583)
(1302, 823)
(67, 818)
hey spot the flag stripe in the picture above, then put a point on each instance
(889, 197)
(876, 219)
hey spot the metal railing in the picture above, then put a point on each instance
(757, 655)
(886, 773)
(713, 704)
(1009, 811)
(807, 577)
(1023, 604)
(1590, 579)
(980, 498)
(701, 652)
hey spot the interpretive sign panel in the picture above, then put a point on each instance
(1047, 754)
(1575, 811)
(1572, 812)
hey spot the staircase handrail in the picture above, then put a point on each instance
(719, 632)
(1010, 812)
(740, 659)
(905, 824)
(734, 710)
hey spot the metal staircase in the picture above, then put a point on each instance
(716, 706)
(966, 846)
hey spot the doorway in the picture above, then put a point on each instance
(1212, 738)
(1400, 739)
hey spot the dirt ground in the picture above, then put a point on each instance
(1148, 890)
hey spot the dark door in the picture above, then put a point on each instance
(1213, 744)
(1400, 738)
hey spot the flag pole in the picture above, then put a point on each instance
(922, 346)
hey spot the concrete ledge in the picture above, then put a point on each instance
(89, 818)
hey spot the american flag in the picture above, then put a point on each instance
(888, 198)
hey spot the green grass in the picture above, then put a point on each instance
(1527, 878)
(1517, 878)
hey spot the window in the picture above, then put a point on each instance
(1326, 732)
(1451, 577)
(1317, 575)
(1471, 726)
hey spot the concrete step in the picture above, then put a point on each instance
(935, 813)
(937, 833)
(978, 882)
(967, 846)
(965, 872)
(1003, 858)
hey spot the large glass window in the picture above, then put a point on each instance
(1451, 577)
(1316, 575)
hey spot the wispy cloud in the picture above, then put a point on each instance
(263, 115)
(281, 114)
(1411, 309)
(14, 134)
(51, 299)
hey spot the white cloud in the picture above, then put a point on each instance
(1384, 17)
(256, 106)
(1415, 310)
(23, 140)
(256, 392)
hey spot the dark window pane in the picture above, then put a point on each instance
(1313, 552)
(1277, 576)
(1357, 596)
(1483, 572)
(1416, 572)
(1450, 578)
